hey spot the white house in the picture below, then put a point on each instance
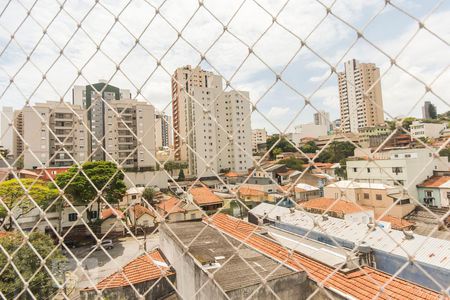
(427, 130)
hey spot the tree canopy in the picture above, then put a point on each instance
(148, 194)
(293, 163)
(336, 151)
(309, 147)
(13, 194)
(27, 262)
(104, 176)
(282, 146)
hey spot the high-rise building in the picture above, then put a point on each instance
(54, 135)
(323, 118)
(93, 98)
(361, 103)
(163, 130)
(213, 123)
(18, 133)
(6, 131)
(129, 134)
(259, 136)
(429, 110)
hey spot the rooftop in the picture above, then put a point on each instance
(362, 283)
(204, 196)
(111, 212)
(428, 250)
(218, 255)
(150, 266)
(436, 181)
(140, 210)
(246, 191)
(349, 184)
(333, 205)
(171, 205)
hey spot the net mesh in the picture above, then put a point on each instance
(262, 64)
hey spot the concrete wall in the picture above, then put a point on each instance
(159, 290)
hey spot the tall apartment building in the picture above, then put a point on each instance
(163, 130)
(129, 137)
(358, 111)
(92, 98)
(18, 133)
(323, 118)
(6, 132)
(54, 135)
(259, 136)
(429, 110)
(204, 116)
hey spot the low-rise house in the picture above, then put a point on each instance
(205, 199)
(435, 191)
(378, 197)
(341, 209)
(132, 196)
(50, 173)
(141, 216)
(251, 195)
(178, 210)
(304, 192)
(113, 221)
(271, 171)
(146, 277)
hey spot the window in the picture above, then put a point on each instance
(378, 197)
(429, 194)
(448, 195)
(355, 170)
(397, 170)
(368, 170)
(366, 196)
(93, 214)
(72, 217)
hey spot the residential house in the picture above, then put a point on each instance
(435, 191)
(406, 167)
(50, 173)
(141, 216)
(113, 222)
(205, 199)
(145, 277)
(177, 210)
(132, 196)
(379, 197)
(271, 171)
(304, 192)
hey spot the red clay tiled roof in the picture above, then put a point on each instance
(435, 181)
(322, 165)
(136, 271)
(231, 174)
(357, 283)
(396, 223)
(171, 205)
(140, 210)
(111, 212)
(204, 196)
(332, 205)
(246, 191)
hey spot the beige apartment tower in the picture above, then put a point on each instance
(204, 119)
(359, 111)
(54, 134)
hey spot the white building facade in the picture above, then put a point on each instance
(259, 136)
(427, 130)
(6, 131)
(212, 129)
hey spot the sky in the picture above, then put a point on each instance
(272, 29)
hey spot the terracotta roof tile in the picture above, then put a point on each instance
(231, 174)
(357, 284)
(332, 205)
(396, 223)
(204, 196)
(140, 210)
(435, 181)
(111, 212)
(171, 205)
(246, 191)
(146, 267)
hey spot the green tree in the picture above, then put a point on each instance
(406, 123)
(181, 176)
(342, 170)
(309, 147)
(336, 151)
(28, 263)
(445, 152)
(293, 163)
(282, 146)
(104, 176)
(149, 194)
(14, 195)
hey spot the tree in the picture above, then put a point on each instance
(14, 195)
(309, 147)
(406, 123)
(104, 176)
(342, 170)
(27, 263)
(282, 146)
(293, 163)
(336, 151)
(445, 152)
(149, 194)
(181, 176)
(4, 152)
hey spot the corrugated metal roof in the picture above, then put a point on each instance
(430, 250)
